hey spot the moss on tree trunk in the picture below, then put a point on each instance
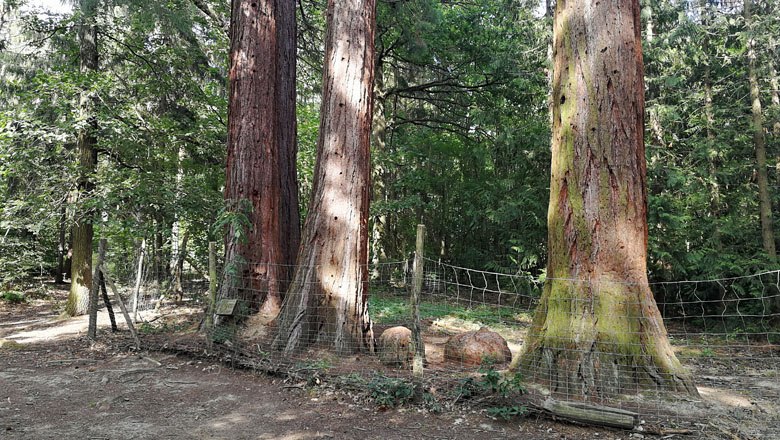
(598, 330)
(81, 266)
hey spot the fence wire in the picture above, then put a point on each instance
(601, 343)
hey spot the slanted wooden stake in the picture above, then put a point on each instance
(417, 341)
(93, 292)
(121, 302)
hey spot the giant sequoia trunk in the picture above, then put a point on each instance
(261, 176)
(81, 260)
(327, 302)
(597, 330)
(290, 221)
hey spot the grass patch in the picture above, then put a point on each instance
(396, 310)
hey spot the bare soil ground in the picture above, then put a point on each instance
(54, 383)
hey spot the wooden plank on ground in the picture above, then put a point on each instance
(592, 414)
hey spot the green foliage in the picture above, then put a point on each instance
(503, 388)
(462, 96)
(703, 204)
(506, 412)
(504, 385)
(390, 392)
(12, 297)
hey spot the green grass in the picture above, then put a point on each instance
(396, 309)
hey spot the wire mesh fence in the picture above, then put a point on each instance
(701, 354)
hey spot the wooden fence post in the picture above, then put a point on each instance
(417, 341)
(212, 286)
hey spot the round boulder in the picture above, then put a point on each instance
(477, 348)
(395, 346)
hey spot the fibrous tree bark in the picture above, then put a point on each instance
(261, 172)
(327, 302)
(597, 330)
(81, 265)
(290, 220)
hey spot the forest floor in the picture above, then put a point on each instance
(55, 383)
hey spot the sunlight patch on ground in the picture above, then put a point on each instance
(725, 397)
(58, 329)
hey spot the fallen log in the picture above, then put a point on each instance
(592, 414)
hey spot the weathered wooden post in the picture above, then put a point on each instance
(417, 342)
(209, 322)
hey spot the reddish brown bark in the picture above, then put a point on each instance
(290, 221)
(327, 301)
(261, 180)
(597, 329)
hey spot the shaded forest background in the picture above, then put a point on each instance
(460, 141)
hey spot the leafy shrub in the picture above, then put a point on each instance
(13, 297)
(390, 392)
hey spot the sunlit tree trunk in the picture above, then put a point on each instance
(81, 260)
(759, 141)
(597, 330)
(327, 302)
(261, 180)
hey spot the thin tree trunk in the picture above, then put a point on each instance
(759, 142)
(94, 292)
(327, 302)
(709, 114)
(178, 268)
(107, 302)
(81, 266)
(61, 247)
(597, 330)
(775, 84)
(378, 145)
(138, 278)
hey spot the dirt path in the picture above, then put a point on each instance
(59, 391)
(55, 384)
